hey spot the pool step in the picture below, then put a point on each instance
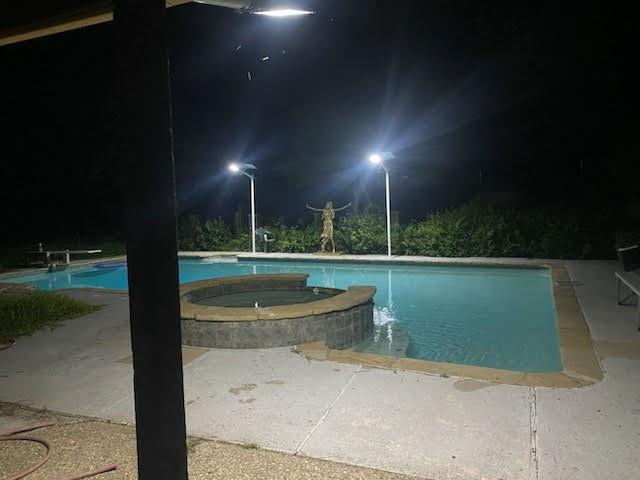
(387, 339)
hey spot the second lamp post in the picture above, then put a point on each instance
(379, 159)
(242, 168)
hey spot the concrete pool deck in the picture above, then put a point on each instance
(401, 421)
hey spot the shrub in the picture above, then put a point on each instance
(240, 243)
(365, 233)
(466, 231)
(194, 236)
(215, 234)
(471, 231)
(294, 239)
(189, 231)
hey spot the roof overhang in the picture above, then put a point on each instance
(82, 14)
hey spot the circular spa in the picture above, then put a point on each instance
(273, 310)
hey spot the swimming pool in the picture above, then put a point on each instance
(484, 316)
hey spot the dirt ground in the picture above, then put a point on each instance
(81, 444)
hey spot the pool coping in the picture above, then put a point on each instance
(395, 260)
(581, 366)
(342, 320)
(344, 300)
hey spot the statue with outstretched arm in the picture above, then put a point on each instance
(328, 214)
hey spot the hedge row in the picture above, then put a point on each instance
(466, 231)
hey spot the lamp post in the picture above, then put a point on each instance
(242, 168)
(379, 159)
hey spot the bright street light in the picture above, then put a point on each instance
(379, 159)
(375, 158)
(242, 168)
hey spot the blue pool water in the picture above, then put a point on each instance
(492, 317)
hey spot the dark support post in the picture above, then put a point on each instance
(145, 148)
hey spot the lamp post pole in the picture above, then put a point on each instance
(386, 181)
(242, 168)
(253, 213)
(379, 159)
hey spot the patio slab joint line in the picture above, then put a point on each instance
(326, 413)
(533, 435)
(116, 403)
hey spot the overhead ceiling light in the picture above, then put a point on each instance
(283, 12)
(258, 7)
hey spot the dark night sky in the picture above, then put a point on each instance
(531, 97)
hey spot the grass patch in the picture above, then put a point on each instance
(26, 314)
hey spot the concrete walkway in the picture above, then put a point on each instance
(412, 423)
